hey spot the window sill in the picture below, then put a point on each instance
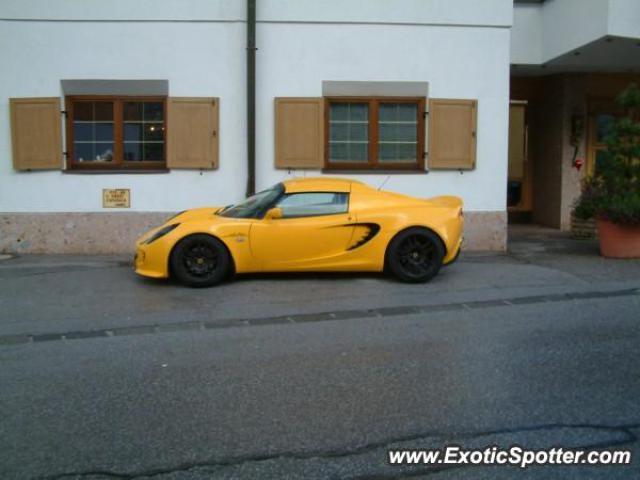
(364, 171)
(118, 171)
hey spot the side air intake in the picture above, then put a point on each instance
(362, 234)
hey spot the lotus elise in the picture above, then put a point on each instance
(310, 224)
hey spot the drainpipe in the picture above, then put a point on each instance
(251, 97)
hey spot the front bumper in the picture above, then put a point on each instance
(151, 261)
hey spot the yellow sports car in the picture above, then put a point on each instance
(309, 224)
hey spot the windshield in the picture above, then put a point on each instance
(254, 206)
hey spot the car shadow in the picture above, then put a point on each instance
(320, 276)
(275, 277)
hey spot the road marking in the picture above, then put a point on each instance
(336, 316)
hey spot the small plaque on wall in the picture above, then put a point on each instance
(116, 198)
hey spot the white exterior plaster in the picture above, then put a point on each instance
(546, 31)
(460, 48)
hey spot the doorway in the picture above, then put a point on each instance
(520, 169)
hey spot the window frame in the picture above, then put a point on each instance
(598, 106)
(285, 195)
(373, 162)
(118, 163)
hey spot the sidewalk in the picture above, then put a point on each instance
(55, 294)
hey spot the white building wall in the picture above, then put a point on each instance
(197, 45)
(624, 18)
(198, 59)
(124, 10)
(526, 34)
(461, 48)
(435, 12)
(569, 24)
(545, 31)
(458, 62)
(490, 13)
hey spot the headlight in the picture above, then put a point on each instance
(161, 233)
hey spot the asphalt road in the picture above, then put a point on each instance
(306, 377)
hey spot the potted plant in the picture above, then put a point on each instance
(612, 194)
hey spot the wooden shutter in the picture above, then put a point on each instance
(452, 134)
(192, 126)
(36, 133)
(299, 130)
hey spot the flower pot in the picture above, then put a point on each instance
(581, 228)
(618, 241)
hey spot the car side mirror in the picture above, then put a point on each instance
(273, 214)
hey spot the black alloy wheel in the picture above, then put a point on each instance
(415, 255)
(200, 261)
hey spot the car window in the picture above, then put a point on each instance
(254, 206)
(313, 203)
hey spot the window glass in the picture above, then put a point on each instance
(349, 132)
(93, 131)
(310, 204)
(116, 132)
(143, 131)
(254, 206)
(603, 160)
(397, 132)
(375, 132)
(604, 124)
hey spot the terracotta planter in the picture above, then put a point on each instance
(618, 241)
(581, 228)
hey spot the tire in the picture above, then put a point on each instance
(200, 261)
(415, 255)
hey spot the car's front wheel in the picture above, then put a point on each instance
(200, 261)
(415, 255)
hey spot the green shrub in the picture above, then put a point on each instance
(587, 205)
(613, 192)
(623, 209)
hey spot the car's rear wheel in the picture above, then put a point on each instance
(200, 261)
(415, 255)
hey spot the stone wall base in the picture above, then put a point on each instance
(115, 233)
(485, 231)
(75, 233)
